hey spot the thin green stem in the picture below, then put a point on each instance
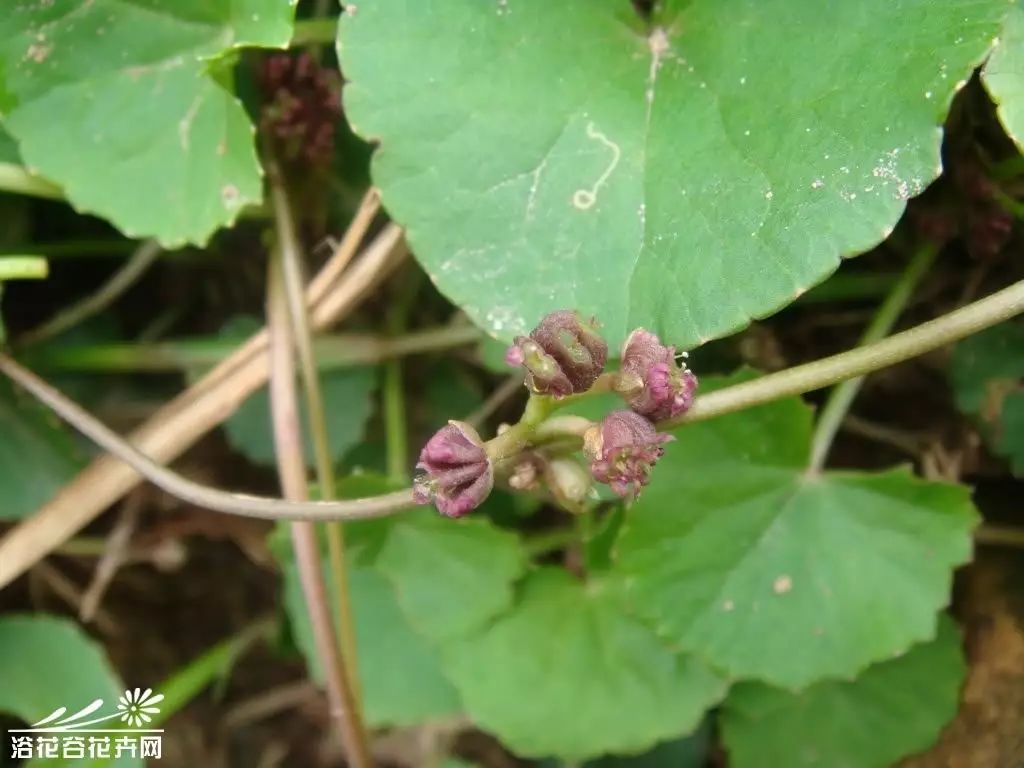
(509, 388)
(123, 279)
(395, 427)
(842, 397)
(23, 268)
(190, 491)
(1009, 203)
(333, 352)
(186, 682)
(947, 329)
(318, 31)
(849, 287)
(291, 269)
(551, 541)
(73, 249)
(1000, 536)
(83, 546)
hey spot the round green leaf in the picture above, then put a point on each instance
(37, 454)
(47, 662)
(738, 555)
(685, 174)
(160, 147)
(567, 673)
(400, 671)
(987, 375)
(1004, 74)
(1011, 440)
(891, 710)
(995, 354)
(451, 576)
(348, 404)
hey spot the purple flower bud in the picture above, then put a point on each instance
(563, 355)
(455, 472)
(622, 450)
(651, 381)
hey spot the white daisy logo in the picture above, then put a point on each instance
(137, 707)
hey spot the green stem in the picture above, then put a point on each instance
(23, 268)
(539, 407)
(212, 664)
(842, 397)
(319, 31)
(395, 421)
(551, 541)
(123, 279)
(849, 287)
(114, 249)
(1000, 536)
(944, 330)
(1009, 204)
(331, 352)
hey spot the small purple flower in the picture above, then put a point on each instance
(563, 355)
(455, 472)
(302, 107)
(622, 450)
(651, 381)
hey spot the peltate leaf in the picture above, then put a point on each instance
(892, 709)
(1004, 74)
(987, 375)
(568, 673)
(162, 148)
(402, 682)
(37, 454)
(47, 662)
(737, 554)
(451, 575)
(683, 174)
(348, 404)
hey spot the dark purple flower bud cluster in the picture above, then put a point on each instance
(563, 355)
(455, 472)
(302, 107)
(622, 450)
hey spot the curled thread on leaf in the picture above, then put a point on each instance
(456, 474)
(563, 355)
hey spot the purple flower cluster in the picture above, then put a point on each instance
(302, 107)
(564, 355)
